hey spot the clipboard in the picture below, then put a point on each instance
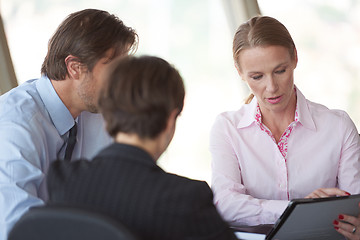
(312, 219)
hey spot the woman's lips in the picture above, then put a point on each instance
(274, 100)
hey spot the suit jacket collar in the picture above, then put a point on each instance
(126, 152)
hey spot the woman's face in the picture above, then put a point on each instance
(269, 72)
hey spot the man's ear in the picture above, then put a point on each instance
(73, 67)
(172, 119)
(170, 126)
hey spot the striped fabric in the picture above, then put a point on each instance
(124, 182)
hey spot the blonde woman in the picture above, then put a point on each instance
(279, 145)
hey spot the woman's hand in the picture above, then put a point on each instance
(348, 226)
(327, 192)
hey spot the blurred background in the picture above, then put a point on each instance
(196, 36)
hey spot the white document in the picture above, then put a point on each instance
(250, 236)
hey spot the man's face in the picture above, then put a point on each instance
(92, 82)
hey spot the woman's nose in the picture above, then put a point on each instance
(271, 84)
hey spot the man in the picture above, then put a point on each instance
(140, 102)
(36, 117)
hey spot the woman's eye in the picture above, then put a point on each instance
(281, 71)
(257, 77)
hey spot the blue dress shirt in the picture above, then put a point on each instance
(34, 125)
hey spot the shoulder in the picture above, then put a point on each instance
(69, 182)
(191, 204)
(22, 102)
(229, 123)
(320, 111)
(320, 118)
(235, 115)
(62, 173)
(23, 113)
(229, 116)
(24, 122)
(315, 116)
(63, 168)
(232, 118)
(240, 118)
(317, 110)
(186, 191)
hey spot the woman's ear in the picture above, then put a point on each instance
(73, 67)
(295, 57)
(238, 70)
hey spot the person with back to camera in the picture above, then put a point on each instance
(279, 145)
(37, 117)
(140, 102)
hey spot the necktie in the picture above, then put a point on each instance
(71, 142)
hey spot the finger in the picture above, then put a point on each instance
(320, 193)
(327, 192)
(347, 234)
(353, 221)
(324, 192)
(333, 192)
(345, 228)
(314, 194)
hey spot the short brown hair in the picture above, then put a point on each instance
(139, 95)
(87, 35)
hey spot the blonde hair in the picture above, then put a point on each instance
(261, 31)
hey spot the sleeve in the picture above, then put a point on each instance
(204, 221)
(349, 166)
(236, 207)
(20, 173)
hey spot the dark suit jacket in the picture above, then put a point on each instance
(124, 182)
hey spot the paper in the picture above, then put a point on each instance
(250, 236)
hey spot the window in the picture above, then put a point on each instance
(192, 35)
(327, 37)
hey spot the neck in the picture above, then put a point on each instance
(151, 146)
(278, 122)
(66, 92)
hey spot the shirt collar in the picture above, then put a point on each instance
(304, 116)
(125, 151)
(249, 114)
(59, 114)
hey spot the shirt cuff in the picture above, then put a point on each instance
(272, 210)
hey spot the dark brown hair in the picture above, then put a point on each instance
(139, 95)
(87, 35)
(261, 31)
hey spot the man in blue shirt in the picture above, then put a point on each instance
(35, 117)
(140, 101)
